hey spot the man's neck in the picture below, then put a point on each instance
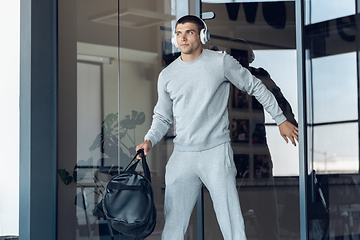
(191, 57)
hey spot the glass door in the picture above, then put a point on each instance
(332, 96)
(261, 36)
(145, 49)
(110, 55)
(88, 94)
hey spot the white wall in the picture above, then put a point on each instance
(9, 116)
(88, 109)
(137, 83)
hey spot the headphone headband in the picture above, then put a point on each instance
(204, 33)
(205, 26)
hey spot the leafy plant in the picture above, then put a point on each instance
(108, 139)
(111, 141)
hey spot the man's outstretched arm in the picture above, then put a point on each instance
(289, 131)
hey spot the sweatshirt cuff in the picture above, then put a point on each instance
(280, 119)
(152, 140)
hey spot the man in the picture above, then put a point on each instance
(194, 90)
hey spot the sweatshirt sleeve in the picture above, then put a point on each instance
(162, 117)
(270, 84)
(245, 81)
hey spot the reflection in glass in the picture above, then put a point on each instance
(336, 148)
(89, 109)
(322, 10)
(284, 76)
(144, 52)
(335, 88)
(269, 204)
(89, 70)
(333, 200)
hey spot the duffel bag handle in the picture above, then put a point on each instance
(132, 164)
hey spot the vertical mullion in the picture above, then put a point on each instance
(357, 8)
(303, 168)
(200, 201)
(38, 119)
(200, 215)
(118, 79)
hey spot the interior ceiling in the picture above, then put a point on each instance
(140, 21)
(92, 32)
(97, 22)
(134, 18)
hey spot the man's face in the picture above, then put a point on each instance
(188, 38)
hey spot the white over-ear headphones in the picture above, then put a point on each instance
(204, 35)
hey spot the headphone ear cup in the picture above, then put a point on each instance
(207, 36)
(204, 36)
(173, 40)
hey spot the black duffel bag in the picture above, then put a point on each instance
(128, 203)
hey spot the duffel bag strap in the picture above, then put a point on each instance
(133, 163)
(145, 167)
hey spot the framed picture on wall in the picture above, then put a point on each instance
(240, 130)
(239, 99)
(258, 132)
(262, 166)
(242, 165)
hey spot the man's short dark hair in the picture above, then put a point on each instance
(191, 19)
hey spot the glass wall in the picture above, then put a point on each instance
(261, 36)
(110, 55)
(88, 109)
(332, 83)
(145, 49)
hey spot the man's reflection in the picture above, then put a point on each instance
(262, 204)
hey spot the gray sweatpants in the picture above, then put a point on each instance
(185, 173)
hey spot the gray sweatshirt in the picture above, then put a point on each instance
(195, 94)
